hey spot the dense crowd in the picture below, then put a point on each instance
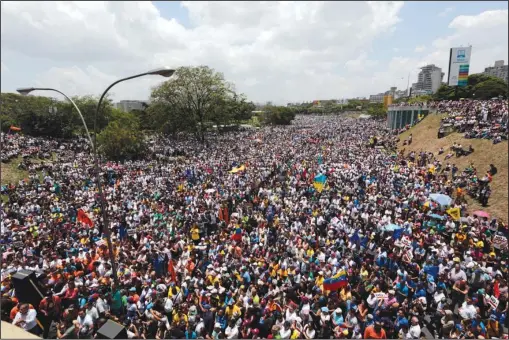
(237, 238)
(485, 119)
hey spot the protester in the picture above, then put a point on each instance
(311, 233)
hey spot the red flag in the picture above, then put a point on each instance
(171, 269)
(83, 218)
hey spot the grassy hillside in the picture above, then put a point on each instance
(424, 137)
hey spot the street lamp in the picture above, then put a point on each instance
(164, 72)
(26, 90)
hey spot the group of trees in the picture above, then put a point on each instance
(44, 116)
(479, 86)
(193, 101)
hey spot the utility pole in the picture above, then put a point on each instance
(408, 85)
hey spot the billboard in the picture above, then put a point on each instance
(459, 64)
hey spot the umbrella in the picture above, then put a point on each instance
(481, 213)
(391, 227)
(441, 199)
(436, 216)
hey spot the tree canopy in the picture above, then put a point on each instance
(122, 138)
(45, 116)
(479, 86)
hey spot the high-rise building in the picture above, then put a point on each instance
(429, 79)
(499, 70)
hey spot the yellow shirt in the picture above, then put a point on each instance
(231, 310)
(213, 279)
(170, 291)
(177, 317)
(195, 234)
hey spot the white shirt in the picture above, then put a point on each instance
(414, 332)
(30, 319)
(231, 332)
(467, 311)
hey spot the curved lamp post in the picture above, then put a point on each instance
(165, 72)
(26, 90)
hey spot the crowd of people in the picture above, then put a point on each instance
(485, 119)
(241, 238)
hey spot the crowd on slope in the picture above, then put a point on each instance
(485, 119)
(236, 239)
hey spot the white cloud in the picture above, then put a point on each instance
(486, 32)
(3, 67)
(445, 11)
(277, 51)
(420, 48)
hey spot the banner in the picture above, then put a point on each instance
(455, 213)
(499, 242)
(492, 301)
(459, 64)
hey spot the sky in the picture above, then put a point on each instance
(272, 51)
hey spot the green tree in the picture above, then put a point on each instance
(377, 110)
(490, 88)
(196, 92)
(122, 138)
(45, 116)
(278, 115)
(444, 92)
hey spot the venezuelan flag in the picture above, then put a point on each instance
(237, 236)
(319, 182)
(337, 281)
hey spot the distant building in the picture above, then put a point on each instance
(393, 92)
(376, 98)
(129, 105)
(429, 79)
(499, 70)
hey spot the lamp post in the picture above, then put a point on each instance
(165, 72)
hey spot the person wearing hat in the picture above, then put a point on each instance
(494, 329)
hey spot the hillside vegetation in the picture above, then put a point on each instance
(424, 137)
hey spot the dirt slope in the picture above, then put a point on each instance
(424, 137)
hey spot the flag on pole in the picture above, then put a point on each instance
(337, 281)
(319, 182)
(83, 218)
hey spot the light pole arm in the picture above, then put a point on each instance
(106, 92)
(102, 198)
(77, 109)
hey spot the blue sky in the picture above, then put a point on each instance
(280, 52)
